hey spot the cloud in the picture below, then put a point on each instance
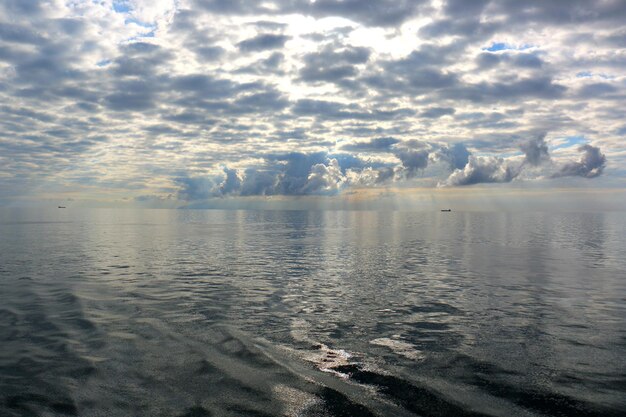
(195, 188)
(482, 169)
(206, 99)
(324, 179)
(369, 12)
(333, 64)
(590, 165)
(457, 155)
(488, 60)
(535, 150)
(232, 183)
(263, 42)
(437, 112)
(374, 145)
(414, 156)
(258, 183)
(326, 110)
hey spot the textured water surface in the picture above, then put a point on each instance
(236, 313)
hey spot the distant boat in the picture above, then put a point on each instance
(61, 206)
(446, 209)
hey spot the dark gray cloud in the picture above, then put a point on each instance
(535, 87)
(535, 150)
(232, 183)
(210, 53)
(329, 110)
(598, 89)
(260, 102)
(590, 165)
(258, 182)
(457, 155)
(412, 160)
(367, 12)
(140, 59)
(14, 33)
(437, 112)
(263, 42)
(333, 64)
(132, 95)
(488, 60)
(195, 188)
(418, 73)
(413, 155)
(383, 144)
(271, 65)
(558, 12)
(22, 7)
(205, 86)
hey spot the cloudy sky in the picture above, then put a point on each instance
(182, 103)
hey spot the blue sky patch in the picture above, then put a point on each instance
(501, 46)
(121, 6)
(139, 23)
(497, 46)
(571, 141)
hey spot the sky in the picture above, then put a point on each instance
(303, 103)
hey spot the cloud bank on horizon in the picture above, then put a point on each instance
(188, 100)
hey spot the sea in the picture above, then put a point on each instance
(113, 312)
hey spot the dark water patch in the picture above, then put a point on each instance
(545, 402)
(429, 325)
(31, 404)
(500, 383)
(241, 410)
(338, 405)
(436, 308)
(196, 412)
(420, 400)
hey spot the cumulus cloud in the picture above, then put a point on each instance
(535, 150)
(414, 156)
(482, 169)
(324, 179)
(457, 155)
(232, 182)
(590, 165)
(195, 188)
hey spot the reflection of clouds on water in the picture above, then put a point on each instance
(515, 306)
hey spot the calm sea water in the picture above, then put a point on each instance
(269, 313)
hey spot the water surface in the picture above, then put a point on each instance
(295, 313)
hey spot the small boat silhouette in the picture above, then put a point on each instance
(446, 209)
(61, 207)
